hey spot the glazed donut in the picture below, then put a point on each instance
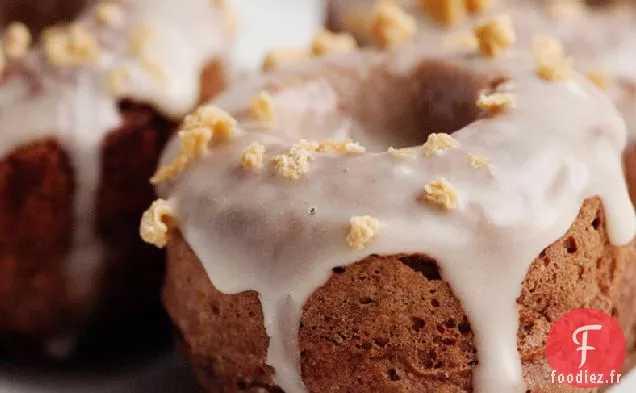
(600, 37)
(85, 111)
(320, 238)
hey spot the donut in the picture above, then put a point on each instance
(85, 110)
(409, 220)
(598, 35)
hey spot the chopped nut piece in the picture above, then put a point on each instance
(466, 41)
(478, 161)
(475, 6)
(563, 9)
(362, 231)
(495, 35)
(154, 223)
(154, 68)
(438, 143)
(402, 153)
(262, 107)
(16, 40)
(346, 146)
(217, 120)
(295, 163)
(141, 38)
(327, 42)
(109, 13)
(440, 193)
(445, 12)
(391, 25)
(281, 57)
(206, 125)
(549, 59)
(496, 102)
(599, 79)
(252, 156)
(72, 45)
(116, 80)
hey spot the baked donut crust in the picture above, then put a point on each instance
(505, 178)
(62, 295)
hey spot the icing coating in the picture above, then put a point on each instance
(76, 104)
(601, 39)
(559, 144)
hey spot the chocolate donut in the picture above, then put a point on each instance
(409, 220)
(85, 110)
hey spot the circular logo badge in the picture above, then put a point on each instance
(586, 348)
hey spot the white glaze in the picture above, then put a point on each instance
(252, 230)
(74, 105)
(600, 41)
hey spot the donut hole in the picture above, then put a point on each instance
(401, 109)
(39, 14)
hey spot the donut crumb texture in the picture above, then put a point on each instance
(362, 231)
(295, 163)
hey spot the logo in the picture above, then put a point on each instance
(586, 348)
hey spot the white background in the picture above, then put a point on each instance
(263, 24)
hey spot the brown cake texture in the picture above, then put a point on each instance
(390, 323)
(37, 314)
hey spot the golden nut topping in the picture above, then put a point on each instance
(141, 38)
(496, 102)
(70, 46)
(402, 153)
(16, 40)
(563, 9)
(550, 62)
(110, 14)
(598, 78)
(391, 25)
(362, 231)
(440, 194)
(116, 81)
(438, 143)
(206, 125)
(346, 146)
(475, 6)
(478, 161)
(295, 163)
(465, 41)
(252, 156)
(278, 58)
(495, 35)
(154, 223)
(262, 107)
(445, 12)
(328, 42)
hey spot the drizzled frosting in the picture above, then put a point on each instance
(600, 39)
(76, 104)
(559, 144)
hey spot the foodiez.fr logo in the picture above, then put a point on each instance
(586, 348)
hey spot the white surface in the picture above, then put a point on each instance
(263, 24)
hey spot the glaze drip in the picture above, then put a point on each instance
(560, 144)
(75, 104)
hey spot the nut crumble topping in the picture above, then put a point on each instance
(262, 107)
(496, 102)
(402, 153)
(295, 163)
(478, 161)
(495, 35)
(16, 40)
(328, 42)
(109, 13)
(252, 156)
(362, 231)
(438, 143)
(550, 62)
(390, 25)
(440, 194)
(71, 45)
(345, 146)
(154, 223)
(445, 12)
(281, 57)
